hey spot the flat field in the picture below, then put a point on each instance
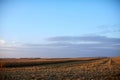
(60, 69)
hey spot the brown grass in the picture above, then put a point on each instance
(60, 69)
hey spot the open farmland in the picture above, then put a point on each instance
(60, 69)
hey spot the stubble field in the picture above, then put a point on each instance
(60, 69)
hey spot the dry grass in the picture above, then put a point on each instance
(61, 69)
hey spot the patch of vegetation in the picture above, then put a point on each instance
(62, 69)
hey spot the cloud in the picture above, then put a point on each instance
(106, 29)
(67, 46)
(80, 42)
(87, 44)
(10, 45)
(2, 42)
(85, 39)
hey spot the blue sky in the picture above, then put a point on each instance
(33, 22)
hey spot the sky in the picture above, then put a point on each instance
(59, 28)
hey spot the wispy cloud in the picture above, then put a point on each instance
(87, 39)
(68, 46)
(106, 29)
(70, 41)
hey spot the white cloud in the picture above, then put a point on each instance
(16, 44)
(10, 45)
(2, 42)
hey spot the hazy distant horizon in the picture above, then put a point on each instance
(59, 28)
